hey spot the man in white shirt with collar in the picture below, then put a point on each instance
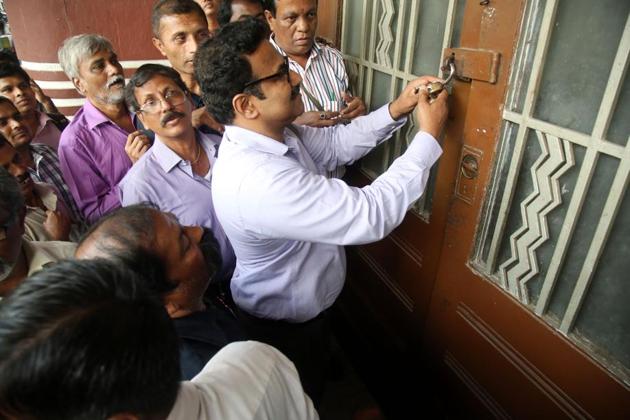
(286, 221)
(101, 322)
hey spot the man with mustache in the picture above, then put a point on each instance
(325, 87)
(175, 174)
(47, 218)
(179, 261)
(40, 159)
(288, 223)
(17, 86)
(103, 140)
(179, 27)
(20, 257)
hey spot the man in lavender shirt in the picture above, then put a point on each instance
(175, 174)
(101, 143)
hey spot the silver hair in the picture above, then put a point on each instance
(79, 47)
(12, 202)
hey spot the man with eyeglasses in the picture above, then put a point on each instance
(175, 173)
(288, 223)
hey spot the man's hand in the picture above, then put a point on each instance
(354, 107)
(318, 119)
(57, 225)
(201, 117)
(137, 144)
(43, 99)
(432, 113)
(408, 99)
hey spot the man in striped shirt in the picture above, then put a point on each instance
(325, 89)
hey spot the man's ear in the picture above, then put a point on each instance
(79, 85)
(244, 106)
(270, 19)
(158, 44)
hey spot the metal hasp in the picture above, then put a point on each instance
(474, 64)
(434, 88)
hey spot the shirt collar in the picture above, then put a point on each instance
(315, 50)
(43, 120)
(254, 140)
(94, 117)
(168, 159)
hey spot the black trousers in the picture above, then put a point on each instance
(306, 344)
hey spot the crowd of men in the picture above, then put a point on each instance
(189, 210)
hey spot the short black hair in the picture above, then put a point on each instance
(145, 73)
(5, 100)
(86, 339)
(221, 68)
(8, 69)
(271, 6)
(8, 56)
(173, 7)
(225, 10)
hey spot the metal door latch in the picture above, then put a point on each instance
(434, 88)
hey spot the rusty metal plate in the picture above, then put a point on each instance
(474, 64)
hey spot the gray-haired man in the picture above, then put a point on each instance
(101, 143)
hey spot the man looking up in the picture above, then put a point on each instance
(287, 222)
(233, 10)
(40, 159)
(93, 342)
(179, 26)
(179, 261)
(175, 174)
(102, 141)
(16, 85)
(325, 90)
(210, 8)
(20, 257)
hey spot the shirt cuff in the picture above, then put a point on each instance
(387, 117)
(426, 148)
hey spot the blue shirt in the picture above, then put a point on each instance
(162, 177)
(288, 222)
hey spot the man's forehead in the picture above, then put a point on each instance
(187, 22)
(99, 55)
(295, 5)
(156, 83)
(11, 80)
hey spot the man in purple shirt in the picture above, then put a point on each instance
(175, 174)
(101, 143)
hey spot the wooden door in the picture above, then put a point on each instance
(505, 290)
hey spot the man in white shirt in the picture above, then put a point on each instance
(286, 221)
(99, 321)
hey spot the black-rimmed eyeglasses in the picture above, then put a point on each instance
(284, 71)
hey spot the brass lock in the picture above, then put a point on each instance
(434, 88)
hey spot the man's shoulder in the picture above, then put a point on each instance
(328, 49)
(143, 173)
(76, 131)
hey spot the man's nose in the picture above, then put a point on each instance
(303, 25)
(13, 123)
(112, 69)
